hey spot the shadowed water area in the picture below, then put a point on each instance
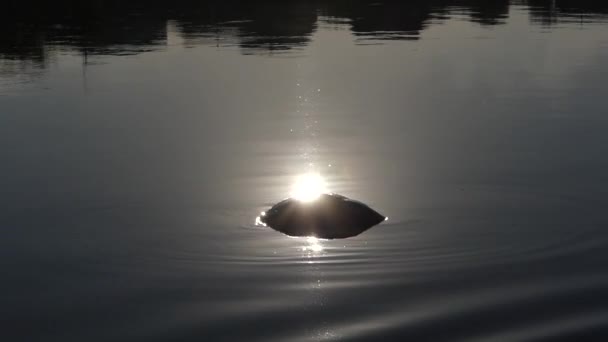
(138, 143)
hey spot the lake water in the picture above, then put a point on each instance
(138, 143)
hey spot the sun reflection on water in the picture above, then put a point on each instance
(258, 219)
(314, 245)
(308, 187)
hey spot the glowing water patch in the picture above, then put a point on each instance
(314, 245)
(308, 187)
(258, 220)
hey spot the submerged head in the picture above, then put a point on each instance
(328, 216)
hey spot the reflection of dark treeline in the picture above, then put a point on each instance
(30, 27)
(27, 26)
(382, 20)
(253, 25)
(548, 12)
(405, 19)
(572, 7)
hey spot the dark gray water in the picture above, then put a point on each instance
(138, 143)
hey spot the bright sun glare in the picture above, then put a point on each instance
(308, 187)
(314, 245)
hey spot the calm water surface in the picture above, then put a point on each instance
(138, 143)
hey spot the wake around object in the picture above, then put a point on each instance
(330, 216)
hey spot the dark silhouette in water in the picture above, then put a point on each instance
(331, 216)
